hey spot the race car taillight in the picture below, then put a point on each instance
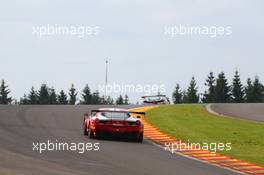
(95, 121)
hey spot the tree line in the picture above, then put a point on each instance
(220, 91)
(48, 95)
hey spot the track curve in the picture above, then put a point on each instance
(20, 126)
(249, 111)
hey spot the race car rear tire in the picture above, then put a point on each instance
(140, 138)
(85, 132)
(90, 133)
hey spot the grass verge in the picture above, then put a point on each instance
(193, 124)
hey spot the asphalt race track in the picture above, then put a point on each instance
(249, 111)
(20, 126)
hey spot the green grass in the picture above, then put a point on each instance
(194, 124)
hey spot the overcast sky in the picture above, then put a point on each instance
(132, 38)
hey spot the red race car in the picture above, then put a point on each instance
(114, 122)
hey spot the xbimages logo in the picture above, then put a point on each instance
(132, 88)
(192, 30)
(191, 146)
(62, 30)
(56, 145)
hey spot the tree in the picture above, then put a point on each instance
(192, 96)
(184, 96)
(104, 100)
(237, 89)
(86, 95)
(4, 92)
(107, 100)
(249, 96)
(24, 100)
(254, 91)
(53, 96)
(96, 99)
(126, 100)
(33, 96)
(110, 101)
(72, 95)
(120, 100)
(257, 91)
(62, 98)
(222, 89)
(44, 94)
(177, 95)
(209, 95)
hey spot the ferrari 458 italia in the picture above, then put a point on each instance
(114, 122)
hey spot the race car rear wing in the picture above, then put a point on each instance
(145, 96)
(130, 112)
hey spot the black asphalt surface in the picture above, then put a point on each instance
(21, 126)
(249, 111)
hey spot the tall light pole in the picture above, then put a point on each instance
(106, 74)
